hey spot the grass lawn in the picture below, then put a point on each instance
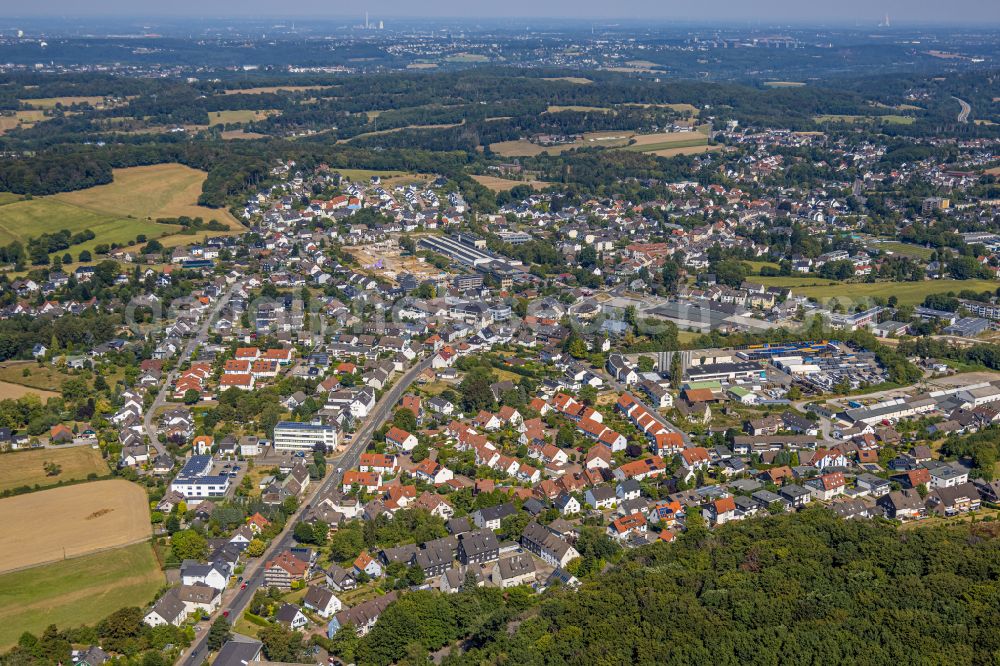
(687, 337)
(908, 293)
(905, 249)
(80, 591)
(24, 468)
(757, 265)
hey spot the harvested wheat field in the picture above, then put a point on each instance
(55, 524)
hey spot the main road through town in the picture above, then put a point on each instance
(235, 601)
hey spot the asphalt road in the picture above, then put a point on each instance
(963, 115)
(161, 397)
(236, 601)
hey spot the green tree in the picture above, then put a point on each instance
(188, 545)
(219, 633)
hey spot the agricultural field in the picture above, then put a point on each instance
(25, 468)
(119, 211)
(995, 171)
(21, 119)
(502, 184)
(8, 198)
(79, 520)
(908, 293)
(238, 116)
(525, 148)
(52, 102)
(78, 591)
(784, 84)
(650, 143)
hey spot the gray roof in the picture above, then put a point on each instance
(238, 653)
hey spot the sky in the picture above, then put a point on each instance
(901, 12)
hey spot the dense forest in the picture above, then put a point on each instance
(807, 588)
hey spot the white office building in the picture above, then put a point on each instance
(294, 436)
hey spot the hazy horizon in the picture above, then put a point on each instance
(846, 12)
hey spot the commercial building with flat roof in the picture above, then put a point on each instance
(295, 436)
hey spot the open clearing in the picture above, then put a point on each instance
(680, 108)
(79, 520)
(995, 171)
(21, 119)
(24, 468)
(119, 211)
(525, 148)
(240, 116)
(891, 119)
(908, 293)
(501, 184)
(79, 591)
(152, 192)
(52, 102)
(389, 178)
(274, 89)
(904, 249)
(784, 84)
(596, 109)
(9, 391)
(569, 79)
(648, 143)
(44, 377)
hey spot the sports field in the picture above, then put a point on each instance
(25, 468)
(78, 591)
(78, 520)
(116, 212)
